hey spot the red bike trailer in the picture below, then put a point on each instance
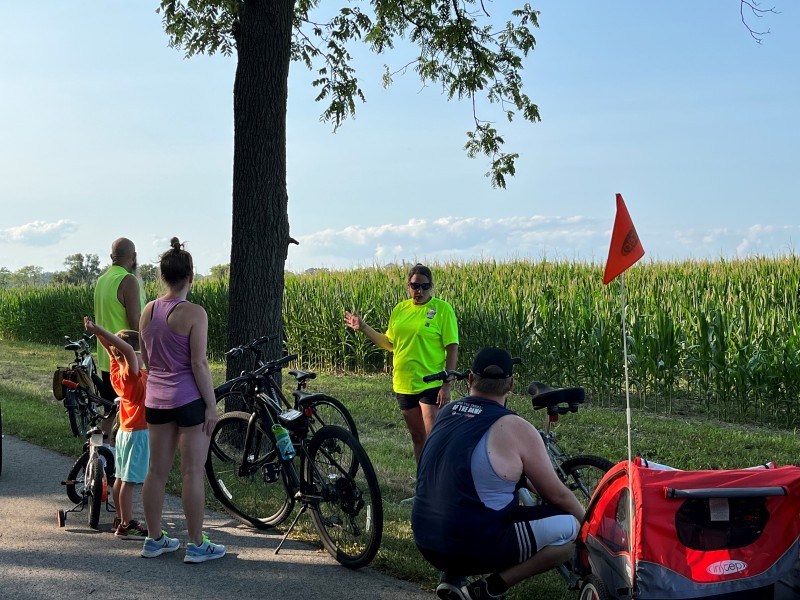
(730, 534)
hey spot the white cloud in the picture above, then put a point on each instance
(39, 233)
(535, 237)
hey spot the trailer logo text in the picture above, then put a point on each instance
(726, 567)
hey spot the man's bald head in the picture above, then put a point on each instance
(123, 253)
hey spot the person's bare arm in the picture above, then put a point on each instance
(128, 295)
(354, 321)
(198, 345)
(450, 364)
(536, 466)
(108, 339)
(143, 321)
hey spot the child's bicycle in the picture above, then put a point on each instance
(91, 478)
(580, 473)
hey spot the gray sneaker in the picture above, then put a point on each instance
(158, 547)
(205, 551)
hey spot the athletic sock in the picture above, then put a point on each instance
(495, 585)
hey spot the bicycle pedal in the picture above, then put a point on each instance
(272, 472)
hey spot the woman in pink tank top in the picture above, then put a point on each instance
(180, 406)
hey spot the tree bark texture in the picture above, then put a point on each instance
(260, 227)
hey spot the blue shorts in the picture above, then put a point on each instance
(133, 455)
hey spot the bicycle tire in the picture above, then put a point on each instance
(94, 489)
(77, 475)
(348, 514)
(582, 473)
(83, 419)
(327, 410)
(260, 498)
(233, 400)
(71, 406)
(1, 441)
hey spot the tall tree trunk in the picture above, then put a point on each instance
(260, 233)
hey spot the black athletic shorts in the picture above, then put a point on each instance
(512, 544)
(187, 415)
(409, 401)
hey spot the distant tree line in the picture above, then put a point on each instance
(84, 269)
(80, 269)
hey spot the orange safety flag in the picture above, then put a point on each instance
(625, 247)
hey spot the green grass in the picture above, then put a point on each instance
(30, 412)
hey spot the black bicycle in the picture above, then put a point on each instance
(580, 473)
(331, 475)
(238, 393)
(80, 400)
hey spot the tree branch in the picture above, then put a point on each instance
(758, 12)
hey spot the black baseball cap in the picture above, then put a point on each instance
(492, 357)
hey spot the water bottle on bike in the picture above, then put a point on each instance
(283, 442)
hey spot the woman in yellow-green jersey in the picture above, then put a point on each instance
(423, 337)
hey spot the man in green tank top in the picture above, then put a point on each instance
(118, 303)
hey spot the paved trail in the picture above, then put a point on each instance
(38, 560)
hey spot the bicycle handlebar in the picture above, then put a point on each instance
(254, 346)
(82, 345)
(457, 375)
(274, 366)
(446, 376)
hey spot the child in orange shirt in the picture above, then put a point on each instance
(129, 380)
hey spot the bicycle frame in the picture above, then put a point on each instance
(98, 480)
(248, 446)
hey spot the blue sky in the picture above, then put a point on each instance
(108, 132)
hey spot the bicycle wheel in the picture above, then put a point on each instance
(594, 589)
(232, 401)
(71, 406)
(326, 410)
(348, 514)
(1, 441)
(76, 489)
(94, 489)
(256, 493)
(581, 474)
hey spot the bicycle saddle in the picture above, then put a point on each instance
(302, 376)
(543, 396)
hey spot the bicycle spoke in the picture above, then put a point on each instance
(248, 479)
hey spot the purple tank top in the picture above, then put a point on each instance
(170, 381)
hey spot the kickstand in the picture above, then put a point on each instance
(299, 514)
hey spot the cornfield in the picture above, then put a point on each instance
(720, 337)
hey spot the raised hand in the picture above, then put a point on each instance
(352, 320)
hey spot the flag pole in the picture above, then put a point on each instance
(625, 249)
(629, 423)
(625, 356)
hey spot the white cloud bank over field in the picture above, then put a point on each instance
(554, 238)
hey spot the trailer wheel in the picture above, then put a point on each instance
(593, 588)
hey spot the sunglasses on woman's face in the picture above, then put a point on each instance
(419, 286)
